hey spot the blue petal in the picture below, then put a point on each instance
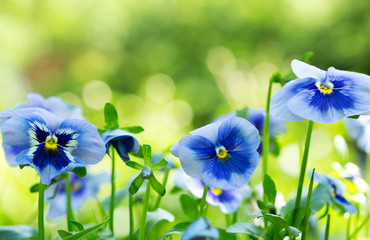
(184, 181)
(348, 206)
(11, 153)
(304, 70)
(230, 200)
(232, 173)
(195, 152)
(198, 229)
(210, 131)
(175, 149)
(237, 134)
(49, 165)
(279, 102)
(9, 113)
(123, 141)
(88, 146)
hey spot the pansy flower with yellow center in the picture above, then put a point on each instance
(322, 96)
(223, 154)
(52, 145)
(227, 200)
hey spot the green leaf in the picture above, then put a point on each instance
(278, 222)
(17, 232)
(136, 184)
(155, 217)
(139, 153)
(251, 229)
(64, 234)
(354, 116)
(243, 113)
(159, 165)
(176, 189)
(224, 235)
(134, 165)
(80, 171)
(34, 188)
(147, 154)
(189, 206)
(177, 229)
(78, 225)
(85, 232)
(275, 147)
(157, 186)
(101, 131)
(269, 189)
(111, 116)
(306, 56)
(269, 207)
(134, 129)
(21, 166)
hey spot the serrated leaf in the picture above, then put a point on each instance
(134, 129)
(64, 234)
(159, 165)
(17, 232)
(189, 206)
(134, 165)
(157, 186)
(251, 229)
(78, 225)
(86, 232)
(111, 116)
(269, 189)
(136, 184)
(80, 171)
(147, 154)
(243, 113)
(177, 229)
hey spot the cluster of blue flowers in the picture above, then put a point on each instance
(217, 160)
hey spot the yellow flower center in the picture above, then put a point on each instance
(51, 144)
(216, 191)
(325, 87)
(222, 153)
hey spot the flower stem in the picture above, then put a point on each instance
(303, 172)
(203, 201)
(164, 183)
(145, 209)
(266, 132)
(69, 203)
(113, 193)
(308, 209)
(348, 230)
(327, 227)
(130, 202)
(41, 212)
(235, 217)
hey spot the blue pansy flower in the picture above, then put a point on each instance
(52, 145)
(81, 190)
(223, 154)
(257, 118)
(227, 200)
(123, 141)
(338, 189)
(322, 96)
(200, 229)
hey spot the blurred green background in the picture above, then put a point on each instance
(171, 66)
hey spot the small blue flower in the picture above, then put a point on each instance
(324, 97)
(257, 118)
(81, 190)
(228, 201)
(359, 131)
(338, 190)
(223, 154)
(123, 141)
(52, 145)
(200, 229)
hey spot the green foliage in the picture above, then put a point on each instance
(111, 116)
(134, 165)
(136, 184)
(15, 232)
(80, 171)
(78, 225)
(157, 186)
(269, 189)
(251, 229)
(133, 129)
(189, 206)
(177, 229)
(69, 236)
(155, 217)
(161, 164)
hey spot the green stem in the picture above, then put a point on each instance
(308, 209)
(113, 193)
(203, 201)
(354, 234)
(69, 204)
(164, 183)
(41, 212)
(327, 227)
(227, 220)
(266, 132)
(235, 217)
(348, 227)
(145, 209)
(130, 202)
(303, 172)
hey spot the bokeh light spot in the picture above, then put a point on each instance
(96, 94)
